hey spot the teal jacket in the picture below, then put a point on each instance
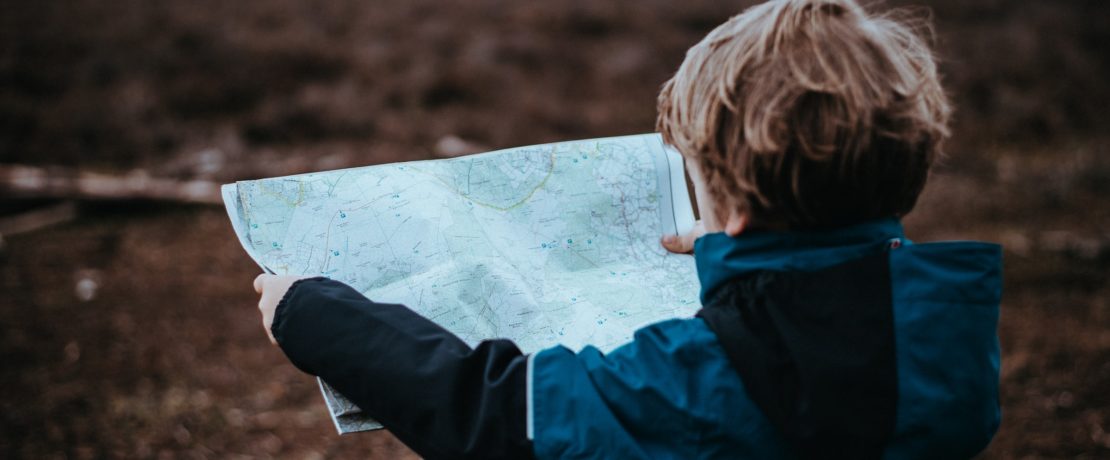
(850, 343)
(846, 343)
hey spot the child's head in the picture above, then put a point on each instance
(807, 113)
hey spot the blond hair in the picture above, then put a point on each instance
(809, 113)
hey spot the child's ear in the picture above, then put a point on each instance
(737, 222)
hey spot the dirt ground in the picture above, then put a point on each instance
(131, 332)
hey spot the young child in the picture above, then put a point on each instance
(808, 128)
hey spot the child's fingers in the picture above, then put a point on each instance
(684, 243)
(266, 327)
(258, 282)
(678, 244)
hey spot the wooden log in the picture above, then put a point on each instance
(19, 181)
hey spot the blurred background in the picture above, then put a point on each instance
(128, 325)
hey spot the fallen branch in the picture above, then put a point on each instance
(30, 221)
(67, 183)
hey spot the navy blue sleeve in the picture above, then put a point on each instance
(439, 396)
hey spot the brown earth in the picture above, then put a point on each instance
(165, 357)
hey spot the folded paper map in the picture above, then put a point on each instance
(544, 245)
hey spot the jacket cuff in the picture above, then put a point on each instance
(277, 325)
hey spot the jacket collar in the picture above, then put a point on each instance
(720, 257)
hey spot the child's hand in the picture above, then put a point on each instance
(272, 288)
(683, 244)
